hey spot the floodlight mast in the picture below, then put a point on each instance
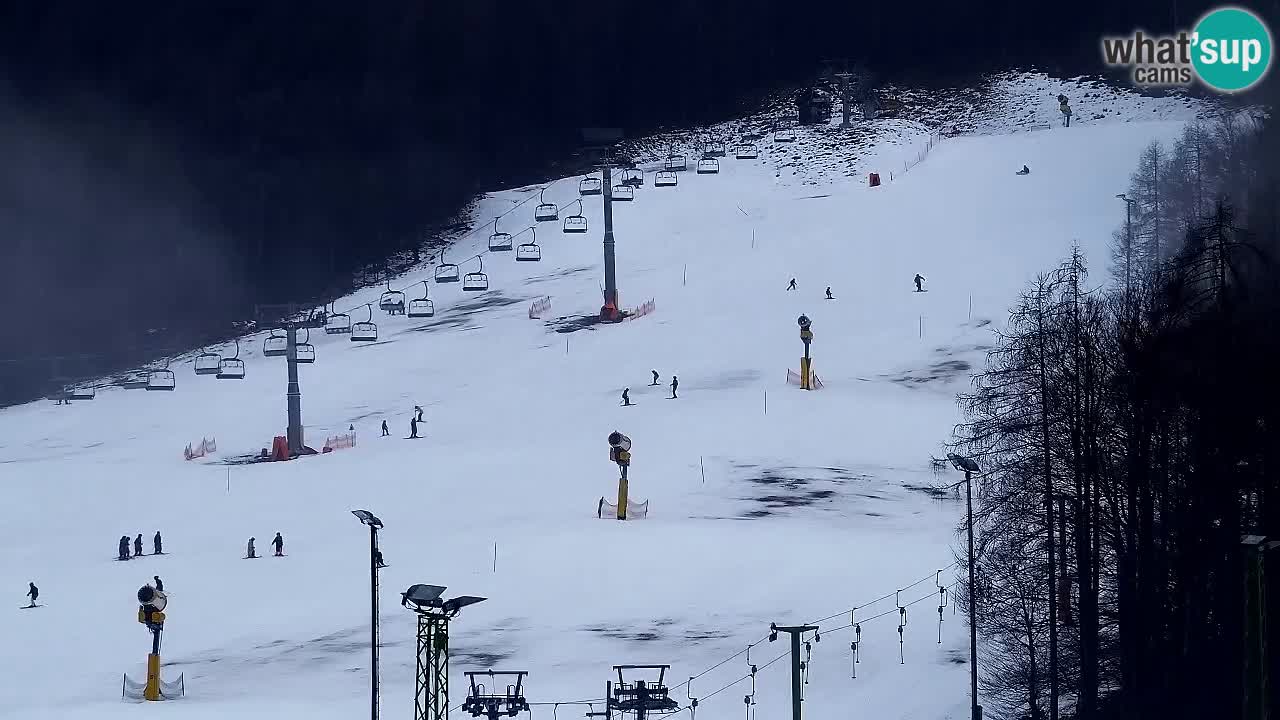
(970, 466)
(431, 684)
(375, 525)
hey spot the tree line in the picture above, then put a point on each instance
(1129, 436)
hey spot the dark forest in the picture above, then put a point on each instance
(166, 166)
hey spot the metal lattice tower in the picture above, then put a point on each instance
(431, 689)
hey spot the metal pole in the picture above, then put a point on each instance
(610, 273)
(294, 431)
(795, 676)
(373, 603)
(1128, 251)
(975, 710)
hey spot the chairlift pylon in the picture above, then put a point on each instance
(665, 178)
(423, 307)
(545, 211)
(476, 281)
(162, 379)
(275, 345)
(624, 193)
(576, 223)
(207, 363)
(232, 368)
(708, 166)
(336, 323)
(499, 241)
(446, 272)
(529, 252)
(392, 301)
(305, 351)
(590, 186)
(365, 331)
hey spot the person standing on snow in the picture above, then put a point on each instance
(33, 592)
(124, 548)
(137, 546)
(675, 383)
(413, 427)
(278, 542)
(249, 551)
(792, 285)
(157, 546)
(159, 582)
(385, 431)
(919, 282)
(655, 377)
(829, 295)
(626, 396)
(418, 410)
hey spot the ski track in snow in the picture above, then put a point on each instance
(767, 503)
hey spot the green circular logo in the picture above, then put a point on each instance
(1231, 49)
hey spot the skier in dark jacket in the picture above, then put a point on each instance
(829, 295)
(385, 431)
(792, 285)
(33, 593)
(413, 427)
(250, 551)
(626, 396)
(157, 545)
(137, 546)
(655, 377)
(919, 282)
(675, 383)
(278, 542)
(159, 582)
(124, 548)
(417, 409)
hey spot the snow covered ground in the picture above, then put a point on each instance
(767, 503)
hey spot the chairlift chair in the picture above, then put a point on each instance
(633, 177)
(665, 178)
(446, 272)
(623, 193)
(275, 345)
(365, 331)
(784, 133)
(423, 307)
(590, 186)
(476, 281)
(336, 323)
(162, 379)
(674, 163)
(529, 252)
(499, 241)
(576, 223)
(232, 368)
(207, 363)
(708, 166)
(305, 351)
(392, 301)
(80, 393)
(136, 382)
(746, 152)
(715, 148)
(545, 211)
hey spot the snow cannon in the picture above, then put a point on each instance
(151, 606)
(620, 454)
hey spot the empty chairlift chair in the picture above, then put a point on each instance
(305, 351)
(207, 363)
(665, 178)
(633, 177)
(499, 241)
(715, 148)
(590, 186)
(576, 223)
(365, 331)
(446, 272)
(392, 301)
(476, 281)
(674, 163)
(276, 345)
(80, 393)
(784, 133)
(708, 166)
(746, 151)
(232, 368)
(336, 323)
(162, 379)
(545, 211)
(623, 193)
(529, 252)
(422, 307)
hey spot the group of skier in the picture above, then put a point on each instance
(675, 385)
(157, 546)
(413, 424)
(919, 279)
(277, 543)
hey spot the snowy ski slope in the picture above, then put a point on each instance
(767, 503)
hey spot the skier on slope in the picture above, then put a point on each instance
(829, 295)
(137, 546)
(249, 551)
(792, 284)
(1024, 171)
(124, 548)
(655, 377)
(919, 282)
(33, 592)
(675, 383)
(157, 545)
(413, 427)
(385, 431)
(417, 409)
(278, 542)
(626, 396)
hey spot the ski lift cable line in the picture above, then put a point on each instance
(708, 696)
(891, 611)
(884, 597)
